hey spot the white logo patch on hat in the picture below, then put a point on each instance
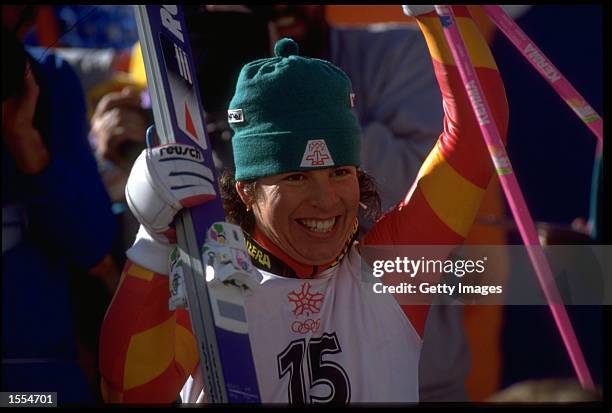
(316, 154)
(352, 98)
(235, 116)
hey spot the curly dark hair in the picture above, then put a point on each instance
(236, 212)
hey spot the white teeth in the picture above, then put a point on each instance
(318, 225)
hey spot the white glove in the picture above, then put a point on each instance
(164, 180)
(418, 10)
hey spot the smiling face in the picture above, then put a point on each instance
(306, 214)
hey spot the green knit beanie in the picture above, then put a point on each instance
(292, 113)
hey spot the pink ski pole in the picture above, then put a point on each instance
(513, 192)
(553, 76)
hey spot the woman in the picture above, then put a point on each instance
(318, 333)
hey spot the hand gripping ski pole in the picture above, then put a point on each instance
(513, 192)
(553, 76)
(218, 325)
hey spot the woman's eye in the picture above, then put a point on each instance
(295, 177)
(341, 172)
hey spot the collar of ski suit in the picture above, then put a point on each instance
(266, 256)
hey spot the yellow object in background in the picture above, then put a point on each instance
(137, 69)
(135, 78)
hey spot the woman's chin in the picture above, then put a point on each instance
(318, 257)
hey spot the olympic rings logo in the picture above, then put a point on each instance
(306, 326)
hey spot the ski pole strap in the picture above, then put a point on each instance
(512, 191)
(544, 66)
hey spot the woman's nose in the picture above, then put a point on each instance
(323, 193)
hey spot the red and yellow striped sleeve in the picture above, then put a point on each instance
(147, 352)
(442, 203)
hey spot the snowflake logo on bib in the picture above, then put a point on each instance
(305, 303)
(316, 154)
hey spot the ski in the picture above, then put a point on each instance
(217, 314)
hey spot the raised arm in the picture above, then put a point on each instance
(442, 203)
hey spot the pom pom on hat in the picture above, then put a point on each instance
(286, 47)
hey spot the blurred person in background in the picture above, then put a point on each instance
(57, 223)
(97, 41)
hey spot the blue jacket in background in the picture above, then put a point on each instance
(67, 225)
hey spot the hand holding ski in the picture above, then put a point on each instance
(163, 180)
